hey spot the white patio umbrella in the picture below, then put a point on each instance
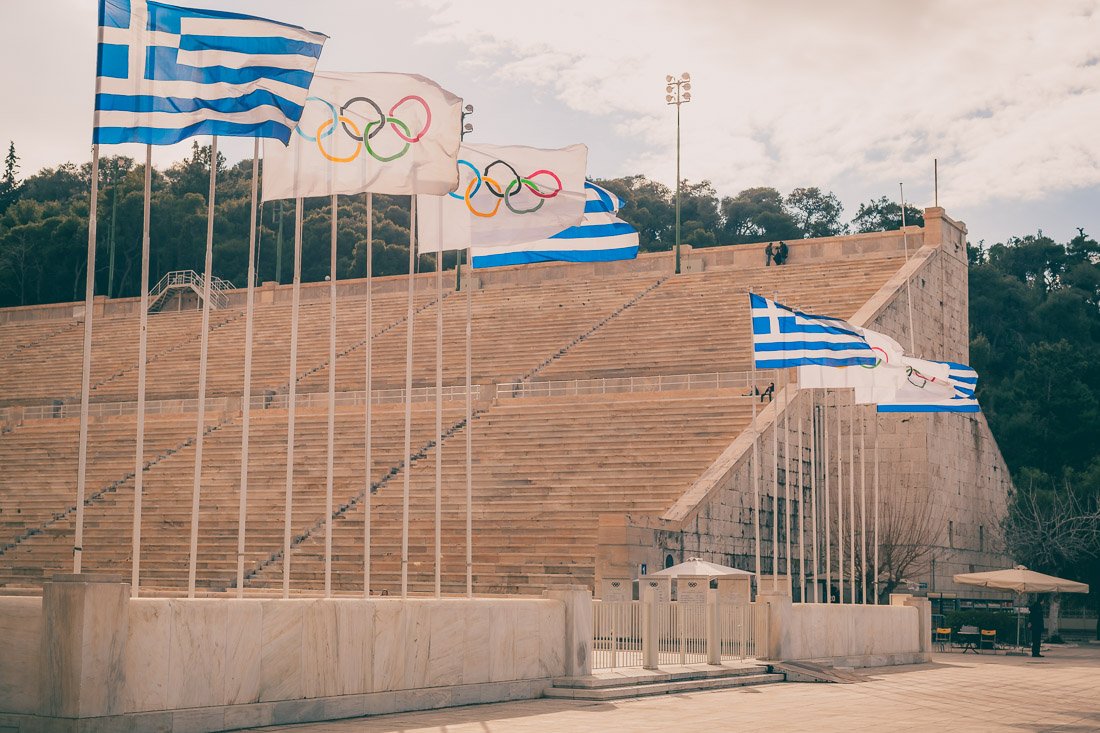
(1021, 580)
(695, 566)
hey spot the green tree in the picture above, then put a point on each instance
(883, 215)
(815, 212)
(757, 215)
(9, 184)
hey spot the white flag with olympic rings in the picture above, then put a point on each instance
(507, 195)
(370, 131)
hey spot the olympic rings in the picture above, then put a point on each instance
(517, 184)
(878, 362)
(371, 130)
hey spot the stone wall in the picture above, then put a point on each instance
(86, 651)
(951, 460)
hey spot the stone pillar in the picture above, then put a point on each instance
(924, 615)
(650, 630)
(86, 620)
(714, 628)
(578, 628)
(773, 613)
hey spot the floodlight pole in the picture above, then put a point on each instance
(677, 92)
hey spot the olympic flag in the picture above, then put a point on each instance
(373, 131)
(507, 195)
(600, 237)
(166, 73)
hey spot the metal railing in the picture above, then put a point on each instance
(616, 385)
(190, 279)
(617, 634)
(270, 401)
(677, 633)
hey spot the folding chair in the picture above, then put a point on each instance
(989, 636)
(941, 636)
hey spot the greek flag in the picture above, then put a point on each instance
(783, 337)
(166, 73)
(963, 379)
(600, 237)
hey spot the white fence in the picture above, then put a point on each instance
(259, 402)
(616, 385)
(625, 635)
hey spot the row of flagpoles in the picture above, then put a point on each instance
(834, 355)
(166, 73)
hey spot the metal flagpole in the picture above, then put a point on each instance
(331, 397)
(86, 367)
(801, 515)
(292, 394)
(839, 501)
(827, 524)
(775, 487)
(876, 500)
(813, 493)
(908, 295)
(143, 339)
(204, 349)
(787, 474)
(408, 404)
(367, 433)
(755, 472)
(246, 402)
(469, 429)
(439, 414)
(852, 500)
(862, 508)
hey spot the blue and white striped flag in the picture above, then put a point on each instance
(600, 237)
(166, 73)
(963, 379)
(783, 337)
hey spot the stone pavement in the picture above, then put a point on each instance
(1060, 692)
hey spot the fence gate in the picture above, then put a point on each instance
(679, 633)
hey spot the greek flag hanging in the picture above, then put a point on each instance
(165, 73)
(783, 337)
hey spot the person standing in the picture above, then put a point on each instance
(769, 253)
(1035, 623)
(781, 254)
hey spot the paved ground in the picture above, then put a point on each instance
(1060, 692)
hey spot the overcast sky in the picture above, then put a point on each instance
(851, 96)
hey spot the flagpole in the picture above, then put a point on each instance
(439, 413)
(813, 492)
(246, 402)
(204, 349)
(908, 295)
(331, 396)
(469, 429)
(86, 367)
(755, 471)
(839, 500)
(852, 499)
(787, 475)
(408, 403)
(292, 394)
(862, 506)
(143, 340)
(827, 524)
(775, 486)
(801, 514)
(876, 500)
(369, 400)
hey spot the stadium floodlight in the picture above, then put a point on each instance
(467, 127)
(678, 91)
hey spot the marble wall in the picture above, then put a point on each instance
(20, 654)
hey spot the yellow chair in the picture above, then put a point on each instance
(942, 636)
(989, 636)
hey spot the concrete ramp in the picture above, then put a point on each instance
(813, 672)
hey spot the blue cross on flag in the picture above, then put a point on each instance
(166, 73)
(783, 337)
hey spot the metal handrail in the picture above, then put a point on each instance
(195, 281)
(619, 385)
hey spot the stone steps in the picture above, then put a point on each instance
(622, 684)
